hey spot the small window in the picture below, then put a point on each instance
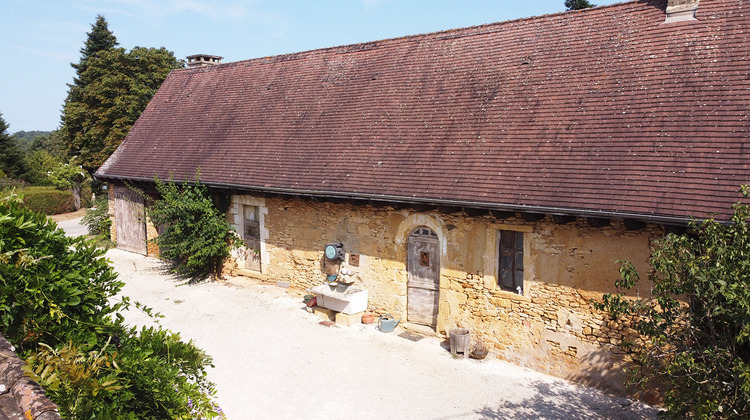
(510, 267)
(252, 237)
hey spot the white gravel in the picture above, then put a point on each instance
(274, 360)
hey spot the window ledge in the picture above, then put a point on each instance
(507, 294)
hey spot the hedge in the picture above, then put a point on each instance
(47, 200)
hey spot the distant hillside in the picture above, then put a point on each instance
(25, 138)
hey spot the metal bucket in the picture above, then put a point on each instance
(460, 339)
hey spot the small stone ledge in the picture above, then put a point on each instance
(250, 273)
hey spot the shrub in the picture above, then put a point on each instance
(195, 237)
(47, 200)
(97, 218)
(697, 323)
(57, 306)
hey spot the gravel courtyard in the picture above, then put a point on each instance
(274, 360)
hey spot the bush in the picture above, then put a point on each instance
(97, 218)
(196, 238)
(697, 323)
(57, 307)
(47, 200)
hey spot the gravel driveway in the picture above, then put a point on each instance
(274, 360)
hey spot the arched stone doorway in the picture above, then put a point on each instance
(423, 267)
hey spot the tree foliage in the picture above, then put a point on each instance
(195, 237)
(11, 156)
(111, 89)
(39, 166)
(57, 306)
(99, 39)
(577, 4)
(697, 323)
(50, 142)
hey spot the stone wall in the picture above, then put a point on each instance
(552, 327)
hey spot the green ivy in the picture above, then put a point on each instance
(697, 321)
(195, 237)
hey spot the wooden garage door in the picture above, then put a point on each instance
(130, 220)
(423, 266)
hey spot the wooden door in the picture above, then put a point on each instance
(130, 220)
(423, 267)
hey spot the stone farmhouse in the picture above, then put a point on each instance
(486, 177)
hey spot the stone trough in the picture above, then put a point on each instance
(341, 298)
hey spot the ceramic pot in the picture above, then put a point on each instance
(368, 318)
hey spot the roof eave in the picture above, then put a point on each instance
(357, 196)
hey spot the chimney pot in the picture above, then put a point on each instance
(201, 60)
(681, 10)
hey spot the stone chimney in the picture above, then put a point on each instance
(681, 10)
(201, 60)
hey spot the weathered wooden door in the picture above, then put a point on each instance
(130, 220)
(423, 267)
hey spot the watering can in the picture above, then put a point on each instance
(387, 323)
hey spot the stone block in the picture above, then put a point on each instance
(324, 313)
(347, 319)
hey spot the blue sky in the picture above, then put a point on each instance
(40, 38)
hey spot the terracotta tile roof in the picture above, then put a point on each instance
(605, 111)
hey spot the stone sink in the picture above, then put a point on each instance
(341, 298)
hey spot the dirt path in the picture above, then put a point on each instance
(275, 360)
(68, 216)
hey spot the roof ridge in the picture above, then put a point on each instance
(425, 35)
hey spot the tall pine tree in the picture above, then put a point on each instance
(111, 89)
(11, 157)
(99, 39)
(76, 116)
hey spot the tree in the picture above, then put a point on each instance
(11, 156)
(58, 307)
(51, 142)
(196, 237)
(111, 89)
(39, 166)
(99, 39)
(577, 4)
(70, 176)
(696, 325)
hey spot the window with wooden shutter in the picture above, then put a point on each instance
(510, 266)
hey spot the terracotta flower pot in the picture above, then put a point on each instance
(368, 318)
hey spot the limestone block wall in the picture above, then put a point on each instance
(299, 230)
(552, 327)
